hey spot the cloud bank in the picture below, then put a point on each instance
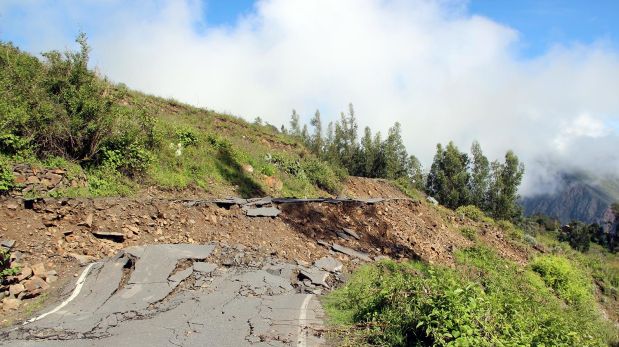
(441, 71)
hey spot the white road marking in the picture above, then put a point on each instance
(303, 331)
(76, 291)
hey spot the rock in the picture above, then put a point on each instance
(39, 270)
(351, 233)
(351, 252)
(26, 273)
(51, 278)
(54, 179)
(248, 168)
(317, 277)
(88, 221)
(204, 268)
(10, 304)
(109, 235)
(432, 200)
(35, 285)
(328, 264)
(11, 206)
(7, 244)
(15, 289)
(263, 212)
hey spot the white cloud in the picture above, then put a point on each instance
(440, 71)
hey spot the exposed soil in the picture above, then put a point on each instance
(361, 187)
(58, 231)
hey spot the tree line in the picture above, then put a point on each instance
(455, 178)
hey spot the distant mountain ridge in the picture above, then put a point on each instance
(579, 198)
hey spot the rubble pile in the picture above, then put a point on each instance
(23, 281)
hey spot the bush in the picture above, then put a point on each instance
(500, 304)
(321, 175)
(5, 265)
(313, 170)
(472, 212)
(530, 240)
(568, 282)
(6, 177)
(469, 233)
(186, 137)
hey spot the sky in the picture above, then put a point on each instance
(539, 77)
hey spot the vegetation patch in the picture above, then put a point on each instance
(485, 301)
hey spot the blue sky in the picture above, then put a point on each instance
(541, 23)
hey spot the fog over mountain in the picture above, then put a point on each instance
(442, 71)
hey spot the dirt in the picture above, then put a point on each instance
(361, 187)
(57, 231)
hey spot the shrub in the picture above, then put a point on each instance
(530, 240)
(500, 304)
(6, 177)
(469, 233)
(510, 229)
(321, 175)
(5, 265)
(130, 159)
(186, 137)
(472, 212)
(568, 282)
(12, 144)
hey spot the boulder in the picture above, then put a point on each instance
(328, 264)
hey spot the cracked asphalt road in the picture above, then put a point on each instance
(171, 295)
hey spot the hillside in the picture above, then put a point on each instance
(578, 198)
(56, 114)
(95, 175)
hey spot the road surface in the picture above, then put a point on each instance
(173, 295)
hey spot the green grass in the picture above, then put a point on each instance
(129, 140)
(484, 301)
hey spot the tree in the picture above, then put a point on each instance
(503, 188)
(448, 180)
(295, 124)
(317, 141)
(480, 177)
(258, 121)
(578, 235)
(305, 137)
(396, 157)
(416, 173)
(369, 153)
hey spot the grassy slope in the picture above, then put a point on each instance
(228, 157)
(561, 297)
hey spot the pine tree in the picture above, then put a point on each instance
(317, 141)
(305, 137)
(369, 154)
(295, 125)
(480, 177)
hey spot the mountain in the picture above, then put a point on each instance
(580, 197)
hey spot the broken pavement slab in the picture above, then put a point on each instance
(351, 232)
(316, 276)
(329, 264)
(263, 212)
(351, 252)
(7, 245)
